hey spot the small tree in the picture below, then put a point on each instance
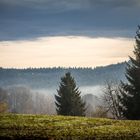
(130, 92)
(3, 107)
(111, 101)
(3, 101)
(68, 100)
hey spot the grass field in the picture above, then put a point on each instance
(67, 128)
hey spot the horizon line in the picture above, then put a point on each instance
(62, 67)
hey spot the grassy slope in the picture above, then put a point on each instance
(60, 127)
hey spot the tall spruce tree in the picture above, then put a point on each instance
(68, 100)
(130, 92)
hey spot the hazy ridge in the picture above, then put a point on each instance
(48, 78)
(36, 87)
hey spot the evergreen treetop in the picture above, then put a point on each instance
(68, 100)
(130, 92)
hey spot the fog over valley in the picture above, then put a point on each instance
(33, 90)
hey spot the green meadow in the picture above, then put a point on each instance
(15, 126)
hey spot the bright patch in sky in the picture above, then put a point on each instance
(66, 51)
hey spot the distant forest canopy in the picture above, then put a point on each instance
(50, 77)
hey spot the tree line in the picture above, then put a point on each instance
(22, 100)
(49, 77)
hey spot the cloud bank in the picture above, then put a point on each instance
(30, 19)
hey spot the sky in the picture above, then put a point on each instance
(67, 33)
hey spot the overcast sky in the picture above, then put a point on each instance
(68, 24)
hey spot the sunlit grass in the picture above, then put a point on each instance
(62, 127)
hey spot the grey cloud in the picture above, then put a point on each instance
(70, 4)
(51, 6)
(116, 3)
(25, 19)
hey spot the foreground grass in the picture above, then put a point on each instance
(61, 127)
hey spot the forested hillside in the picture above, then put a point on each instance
(37, 78)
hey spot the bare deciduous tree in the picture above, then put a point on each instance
(110, 99)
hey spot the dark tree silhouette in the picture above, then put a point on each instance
(130, 92)
(110, 99)
(68, 100)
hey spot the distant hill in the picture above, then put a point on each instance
(48, 78)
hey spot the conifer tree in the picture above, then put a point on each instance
(130, 92)
(68, 100)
